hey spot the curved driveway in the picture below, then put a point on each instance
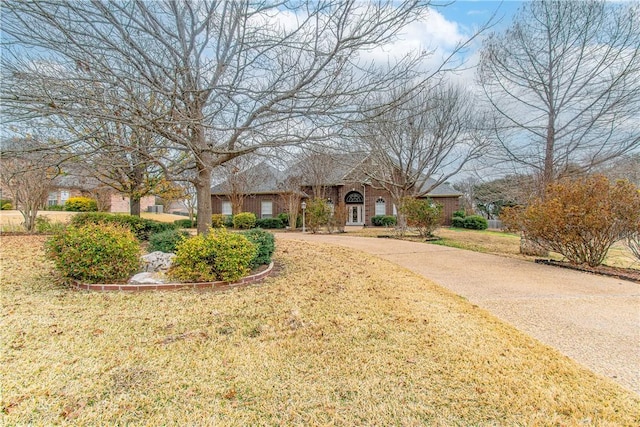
(595, 320)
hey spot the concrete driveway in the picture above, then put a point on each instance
(595, 320)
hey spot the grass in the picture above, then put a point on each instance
(332, 340)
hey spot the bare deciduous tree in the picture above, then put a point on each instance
(229, 77)
(564, 81)
(241, 177)
(291, 192)
(27, 174)
(417, 145)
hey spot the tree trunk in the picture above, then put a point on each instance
(134, 205)
(203, 194)
(531, 248)
(29, 214)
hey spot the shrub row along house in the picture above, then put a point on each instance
(339, 179)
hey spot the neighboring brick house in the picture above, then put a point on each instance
(109, 200)
(342, 184)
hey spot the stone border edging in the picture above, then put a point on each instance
(613, 273)
(216, 286)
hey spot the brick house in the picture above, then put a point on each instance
(343, 183)
(109, 200)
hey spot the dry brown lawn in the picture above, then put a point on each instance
(334, 339)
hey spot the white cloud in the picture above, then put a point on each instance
(433, 34)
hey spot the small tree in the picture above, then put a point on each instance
(26, 174)
(340, 216)
(422, 214)
(318, 213)
(581, 219)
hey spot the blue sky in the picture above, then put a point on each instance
(475, 13)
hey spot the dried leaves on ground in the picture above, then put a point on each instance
(337, 338)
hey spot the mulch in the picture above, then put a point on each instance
(603, 270)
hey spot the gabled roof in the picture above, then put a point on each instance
(337, 168)
(343, 168)
(442, 190)
(264, 179)
(70, 180)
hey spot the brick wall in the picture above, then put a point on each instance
(120, 204)
(337, 195)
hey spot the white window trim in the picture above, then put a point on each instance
(228, 210)
(266, 213)
(381, 207)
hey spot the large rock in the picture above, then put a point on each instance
(157, 261)
(147, 278)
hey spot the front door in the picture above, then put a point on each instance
(354, 215)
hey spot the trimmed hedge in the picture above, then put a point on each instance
(141, 227)
(218, 220)
(6, 205)
(185, 223)
(95, 253)
(383, 220)
(269, 223)
(81, 204)
(476, 222)
(219, 255)
(54, 208)
(457, 222)
(244, 220)
(460, 213)
(166, 241)
(265, 243)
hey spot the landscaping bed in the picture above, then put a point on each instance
(604, 270)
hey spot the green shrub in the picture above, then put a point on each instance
(219, 255)
(476, 222)
(265, 243)
(81, 204)
(219, 220)
(460, 213)
(54, 208)
(95, 253)
(166, 241)
(284, 218)
(422, 214)
(44, 225)
(6, 205)
(318, 213)
(244, 220)
(383, 220)
(185, 223)
(141, 227)
(457, 222)
(269, 223)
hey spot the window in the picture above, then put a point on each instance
(381, 207)
(354, 197)
(395, 210)
(266, 209)
(64, 195)
(226, 208)
(53, 199)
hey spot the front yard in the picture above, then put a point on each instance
(333, 339)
